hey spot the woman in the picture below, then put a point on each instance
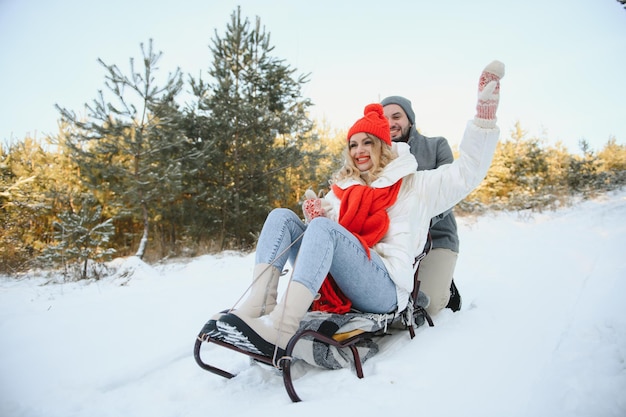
(366, 232)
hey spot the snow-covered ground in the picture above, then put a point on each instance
(542, 332)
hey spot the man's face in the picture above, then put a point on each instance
(399, 125)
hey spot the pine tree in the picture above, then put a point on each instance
(129, 149)
(80, 237)
(612, 164)
(253, 123)
(582, 174)
(25, 209)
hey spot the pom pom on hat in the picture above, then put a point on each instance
(373, 122)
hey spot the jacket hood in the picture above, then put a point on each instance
(400, 167)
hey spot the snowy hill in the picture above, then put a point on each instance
(542, 332)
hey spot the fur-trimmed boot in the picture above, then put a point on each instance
(260, 301)
(262, 335)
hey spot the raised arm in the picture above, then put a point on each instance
(445, 186)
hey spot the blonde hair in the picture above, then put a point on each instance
(381, 156)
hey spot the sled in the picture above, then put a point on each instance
(343, 341)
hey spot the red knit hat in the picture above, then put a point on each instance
(374, 122)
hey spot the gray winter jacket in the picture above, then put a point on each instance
(430, 153)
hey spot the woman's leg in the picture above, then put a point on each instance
(326, 247)
(329, 247)
(281, 228)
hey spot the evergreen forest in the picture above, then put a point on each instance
(139, 173)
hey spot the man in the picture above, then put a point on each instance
(437, 268)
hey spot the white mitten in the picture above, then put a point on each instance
(312, 206)
(488, 95)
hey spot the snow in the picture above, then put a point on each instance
(542, 332)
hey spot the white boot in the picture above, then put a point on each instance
(263, 292)
(263, 334)
(260, 301)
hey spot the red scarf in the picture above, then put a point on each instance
(364, 213)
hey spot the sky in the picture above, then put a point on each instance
(564, 59)
(542, 333)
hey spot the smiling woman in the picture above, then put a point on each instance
(366, 236)
(367, 204)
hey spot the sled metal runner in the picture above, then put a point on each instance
(283, 363)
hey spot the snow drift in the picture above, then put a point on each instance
(542, 332)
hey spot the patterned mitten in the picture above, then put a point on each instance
(312, 206)
(489, 95)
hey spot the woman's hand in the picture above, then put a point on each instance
(312, 206)
(489, 95)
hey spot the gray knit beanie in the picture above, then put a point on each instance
(405, 103)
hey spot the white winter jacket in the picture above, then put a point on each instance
(423, 195)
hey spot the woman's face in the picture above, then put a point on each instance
(362, 148)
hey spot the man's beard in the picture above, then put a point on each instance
(404, 137)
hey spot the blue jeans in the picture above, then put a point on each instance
(325, 247)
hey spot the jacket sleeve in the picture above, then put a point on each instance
(442, 188)
(444, 153)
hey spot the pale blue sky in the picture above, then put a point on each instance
(566, 59)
